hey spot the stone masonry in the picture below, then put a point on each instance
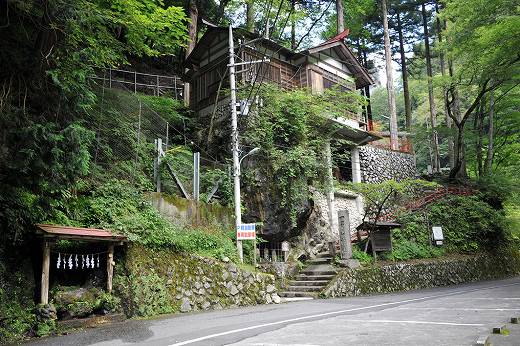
(378, 165)
(187, 282)
(421, 274)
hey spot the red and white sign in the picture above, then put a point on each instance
(246, 231)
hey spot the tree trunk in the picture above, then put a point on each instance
(340, 13)
(490, 148)
(394, 145)
(433, 112)
(478, 126)
(459, 164)
(404, 68)
(293, 25)
(370, 124)
(449, 123)
(250, 25)
(459, 169)
(192, 40)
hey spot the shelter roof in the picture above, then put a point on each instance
(79, 233)
(380, 224)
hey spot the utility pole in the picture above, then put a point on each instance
(234, 141)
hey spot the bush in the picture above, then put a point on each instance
(119, 206)
(361, 256)
(404, 249)
(16, 320)
(468, 224)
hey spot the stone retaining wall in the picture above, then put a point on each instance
(164, 281)
(424, 274)
(378, 165)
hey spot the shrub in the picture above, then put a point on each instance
(404, 249)
(468, 224)
(361, 256)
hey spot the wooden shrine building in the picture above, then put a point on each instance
(53, 233)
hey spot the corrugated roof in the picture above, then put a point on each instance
(80, 233)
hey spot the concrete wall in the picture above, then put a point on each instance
(378, 165)
(424, 274)
(183, 211)
(165, 281)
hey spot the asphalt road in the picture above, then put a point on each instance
(454, 315)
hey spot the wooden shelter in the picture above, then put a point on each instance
(52, 233)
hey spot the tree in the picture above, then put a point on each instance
(340, 16)
(389, 80)
(431, 99)
(482, 64)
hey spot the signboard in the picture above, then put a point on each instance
(381, 240)
(246, 231)
(437, 235)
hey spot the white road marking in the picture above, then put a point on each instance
(325, 314)
(459, 309)
(483, 298)
(418, 322)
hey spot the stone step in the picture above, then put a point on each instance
(319, 283)
(323, 254)
(318, 272)
(291, 294)
(292, 288)
(304, 277)
(320, 260)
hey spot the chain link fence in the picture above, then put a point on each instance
(129, 118)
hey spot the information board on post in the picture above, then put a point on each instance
(246, 231)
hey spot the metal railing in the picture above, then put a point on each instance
(147, 83)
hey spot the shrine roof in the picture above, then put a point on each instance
(79, 233)
(380, 224)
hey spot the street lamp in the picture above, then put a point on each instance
(251, 152)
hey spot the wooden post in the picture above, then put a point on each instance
(44, 291)
(110, 267)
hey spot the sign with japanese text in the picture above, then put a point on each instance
(246, 231)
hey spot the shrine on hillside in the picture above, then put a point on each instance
(76, 261)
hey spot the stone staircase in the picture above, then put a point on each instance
(310, 281)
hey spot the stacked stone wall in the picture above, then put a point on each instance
(378, 165)
(163, 281)
(423, 274)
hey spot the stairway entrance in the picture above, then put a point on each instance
(312, 279)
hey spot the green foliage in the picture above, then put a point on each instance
(46, 327)
(68, 302)
(468, 224)
(404, 249)
(291, 128)
(119, 206)
(147, 293)
(389, 194)
(17, 320)
(361, 256)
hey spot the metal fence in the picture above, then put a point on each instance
(146, 83)
(128, 123)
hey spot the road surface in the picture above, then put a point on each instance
(454, 315)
